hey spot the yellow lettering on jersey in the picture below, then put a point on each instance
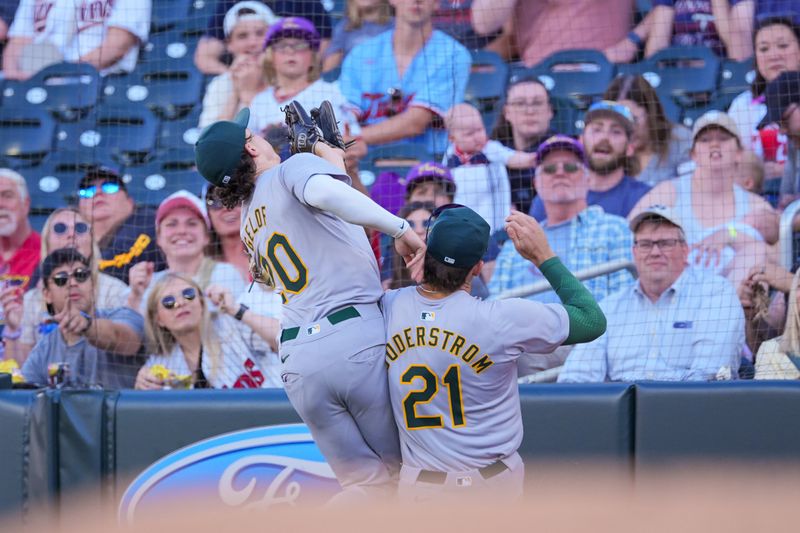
(402, 342)
(458, 343)
(434, 337)
(482, 364)
(255, 222)
(447, 335)
(471, 352)
(398, 343)
(407, 335)
(420, 336)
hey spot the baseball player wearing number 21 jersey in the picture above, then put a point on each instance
(302, 225)
(453, 358)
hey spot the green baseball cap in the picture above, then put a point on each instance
(219, 148)
(458, 238)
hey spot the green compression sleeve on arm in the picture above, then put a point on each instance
(586, 319)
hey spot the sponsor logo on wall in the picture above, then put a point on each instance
(258, 467)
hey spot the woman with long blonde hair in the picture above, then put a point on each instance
(191, 346)
(779, 358)
(26, 316)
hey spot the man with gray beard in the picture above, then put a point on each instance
(20, 246)
(609, 150)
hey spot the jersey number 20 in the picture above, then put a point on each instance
(451, 379)
(295, 282)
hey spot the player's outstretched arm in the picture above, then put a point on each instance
(586, 320)
(334, 156)
(329, 194)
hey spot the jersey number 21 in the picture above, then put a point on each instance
(430, 381)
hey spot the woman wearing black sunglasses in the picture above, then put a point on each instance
(27, 318)
(192, 347)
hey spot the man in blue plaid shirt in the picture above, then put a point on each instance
(582, 236)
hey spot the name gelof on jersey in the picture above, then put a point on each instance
(256, 221)
(422, 336)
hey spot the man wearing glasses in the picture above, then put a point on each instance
(580, 234)
(92, 346)
(124, 232)
(675, 324)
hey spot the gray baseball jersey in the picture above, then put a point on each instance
(317, 261)
(333, 371)
(453, 373)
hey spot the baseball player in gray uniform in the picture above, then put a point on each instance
(302, 224)
(452, 358)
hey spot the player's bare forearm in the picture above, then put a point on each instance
(334, 156)
(410, 123)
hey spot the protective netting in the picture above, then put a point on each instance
(446, 102)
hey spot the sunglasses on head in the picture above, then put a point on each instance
(108, 187)
(62, 278)
(552, 168)
(188, 294)
(436, 213)
(59, 228)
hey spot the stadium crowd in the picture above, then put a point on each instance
(121, 291)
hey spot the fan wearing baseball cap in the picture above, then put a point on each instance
(581, 235)
(608, 141)
(182, 234)
(245, 26)
(472, 346)
(693, 319)
(783, 108)
(728, 229)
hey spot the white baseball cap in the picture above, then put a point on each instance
(182, 198)
(255, 11)
(720, 119)
(656, 211)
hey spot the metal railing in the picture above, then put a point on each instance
(786, 238)
(587, 273)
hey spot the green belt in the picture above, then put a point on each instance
(334, 318)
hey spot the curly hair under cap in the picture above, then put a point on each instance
(241, 186)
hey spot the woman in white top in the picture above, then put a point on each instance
(194, 347)
(26, 323)
(777, 49)
(779, 358)
(182, 234)
(292, 67)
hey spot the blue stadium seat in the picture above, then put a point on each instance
(67, 90)
(720, 102)
(168, 14)
(567, 119)
(486, 87)
(686, 75)
(127, 132)
(170, 89)
(180, 133)
(735, 77)
(580, 75)
(167, 173)
(177, 45)
(26, 134)
(54, 182)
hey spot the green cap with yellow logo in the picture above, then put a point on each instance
(458, 238)
(219, 148)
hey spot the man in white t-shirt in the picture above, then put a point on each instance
(107, 34)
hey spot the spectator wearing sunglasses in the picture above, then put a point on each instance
(194, 347)
(27, 318)
(581, 235)
(99, 346)
(676, 323)
(123, 231)
(608, 140)
(19, 244)
(182, 234)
